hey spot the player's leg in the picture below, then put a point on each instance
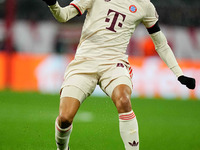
(127, 121)
(80, 81)
(67, 111)
(120, 91)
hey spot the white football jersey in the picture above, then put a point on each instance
(109, 25)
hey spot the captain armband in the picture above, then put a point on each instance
(155, 28)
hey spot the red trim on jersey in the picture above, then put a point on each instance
(130, 72)
(127, 117)
(80, 13)
(151, 26)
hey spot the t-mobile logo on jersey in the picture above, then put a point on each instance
(114, 21)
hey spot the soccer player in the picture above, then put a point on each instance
(101, 59)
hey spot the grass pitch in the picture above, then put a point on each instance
(27, 123)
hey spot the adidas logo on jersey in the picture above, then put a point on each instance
(107, 0)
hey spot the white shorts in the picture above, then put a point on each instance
(82, 76)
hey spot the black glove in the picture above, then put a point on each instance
(189, 82)
(50, 2)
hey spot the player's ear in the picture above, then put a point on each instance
(155, 28)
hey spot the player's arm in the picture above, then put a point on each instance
(62, 14)
(162, 47)
(167, 55)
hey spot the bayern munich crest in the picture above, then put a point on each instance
(133, 8)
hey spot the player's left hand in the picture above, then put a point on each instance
(189, 82)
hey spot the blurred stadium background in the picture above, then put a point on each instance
(35, 50)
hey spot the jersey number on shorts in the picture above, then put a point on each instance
(117, 16)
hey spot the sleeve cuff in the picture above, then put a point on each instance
(80, 13)
(54, 6)
(177, 71)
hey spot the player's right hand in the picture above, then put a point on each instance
(50, 2)
(189, 82)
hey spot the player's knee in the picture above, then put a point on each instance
(123, 104)
(121, 97)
